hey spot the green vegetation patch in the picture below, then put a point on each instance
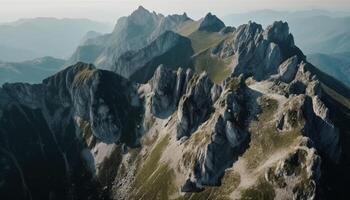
(230, 182)
(202, 40)
(158, 186)
(265, 138)
(218, 69)
(188, 28)
(262, 191)
(150, 164)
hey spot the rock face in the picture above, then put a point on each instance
(278, 33)
(91, 94)
(167, 88)
(130, 34)
(227, 29)
(169, 49)
(254, 55)
(257, 52)
(318, 127)
(211, 23)
(195, 106)
(52, 112)
(228, 141)
(303, 161)
(288, 69)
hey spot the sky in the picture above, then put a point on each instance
(110, 10)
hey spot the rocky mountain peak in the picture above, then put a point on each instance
(141, 10)
(278, 33)
(211, 23)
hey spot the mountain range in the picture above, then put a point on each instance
(27, 39)
(31, 71)
(167, 107)
(336, 65)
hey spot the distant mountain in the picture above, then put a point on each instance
(266, 16)
(13, 54)
(89, 35)
(130, 34)
(336, 65)
(32, 71)
(40, 37)
(169, 49)
(315, 31)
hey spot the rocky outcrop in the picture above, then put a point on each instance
(167, 88)
(309, 112)
(228, 141)
(195, 106)
(259, 53)
(227, 30)
(323, 133)
(99, 97)
(211, 23)
(169, 49)
(298, 174)
(278, 33)
(254, 55)
(288, 69)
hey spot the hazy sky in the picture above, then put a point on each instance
(110, 10)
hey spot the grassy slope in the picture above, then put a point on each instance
(265, 139)
(217, 69)
(154, 180)
(202, 42)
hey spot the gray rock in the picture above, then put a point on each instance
(228, 141)
(163, 86)
(195, 106)
(278, 33)
(320, 108)
(253, 55)
(227, 29)
(298, 174)
(288, 69)
(167, 88)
